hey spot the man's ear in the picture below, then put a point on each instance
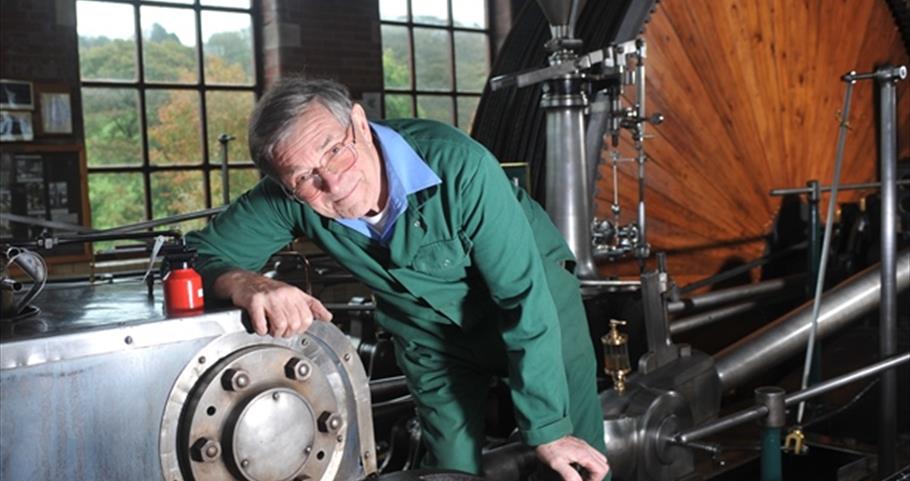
(361, 123)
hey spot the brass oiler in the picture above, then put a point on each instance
(616, 355)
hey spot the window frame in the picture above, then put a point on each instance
(453, 93)
(141, 87)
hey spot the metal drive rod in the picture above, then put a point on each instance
(695, 321)
(887, 79)
(731, 273)
(827, 188)
(757, 412)
(786, 337)
(721, 297)
(163, 221)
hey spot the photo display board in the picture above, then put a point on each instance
(43, 184)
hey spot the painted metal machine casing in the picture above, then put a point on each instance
(96, 385)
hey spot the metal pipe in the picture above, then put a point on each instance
(391, 386)
(223, 140)
(839, 381)
(701, 319)
(731, 273)
(174, 219)
(725, 296)
(887, 79)
(757, 412)
(827, 188)
(785, 337)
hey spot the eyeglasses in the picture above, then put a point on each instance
(336, 161)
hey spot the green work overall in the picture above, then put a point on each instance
(470, 285)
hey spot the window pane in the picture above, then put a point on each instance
(467, 106)
(396, 67)
(116, 199)
(169, 44)
(432, 59)
(433, 12)
(226, 3)
(112, 131)
(398, 106)
(241, 181)
(436, 107)
(395, 10)
(471, 61)
(174, 129)
(229, 113)
(107, 41)
(469, 13)
(178, 193)
(228, 48)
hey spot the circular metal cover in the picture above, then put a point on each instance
(272, 435)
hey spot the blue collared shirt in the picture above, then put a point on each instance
(406, 173)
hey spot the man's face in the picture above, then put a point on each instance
(331, 167)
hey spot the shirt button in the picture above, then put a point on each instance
(418, 224)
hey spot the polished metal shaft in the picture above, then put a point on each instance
(786, 337)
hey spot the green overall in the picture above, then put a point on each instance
(471, 285)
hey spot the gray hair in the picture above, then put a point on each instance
(284, 103)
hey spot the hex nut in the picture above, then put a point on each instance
(329, 422)
(206, 450)
(298, 369)
(235, 380)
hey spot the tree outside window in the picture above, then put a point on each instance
(435, 57)
(156, 101)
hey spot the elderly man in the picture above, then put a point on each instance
(467, 270)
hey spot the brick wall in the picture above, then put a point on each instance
(323, 38)
(38, 44)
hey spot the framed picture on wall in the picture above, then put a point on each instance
(16, 126)
(16, 95)
(56, 114)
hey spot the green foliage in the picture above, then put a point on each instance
(113, 131)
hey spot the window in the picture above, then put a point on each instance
(435, 58)
(161, 82)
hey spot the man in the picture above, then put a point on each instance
(467, 271)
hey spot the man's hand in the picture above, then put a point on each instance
(560, 455)
(279, 309)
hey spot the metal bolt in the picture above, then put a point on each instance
(340, 438)
(128, 340)
(329, 421)
(347, 357)
(366, 454)
(275, 396)
(235, 380)
(206, 450)
(201, 359)
(244, 463)
(308, 449)
(298, 369)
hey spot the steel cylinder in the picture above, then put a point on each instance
(568, 197)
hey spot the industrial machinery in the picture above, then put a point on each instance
(97, 383)
(100, 385)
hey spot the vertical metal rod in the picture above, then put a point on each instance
(826, 242)
(814, 254)
(888, 312)
(642, 250)
(223, 139)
